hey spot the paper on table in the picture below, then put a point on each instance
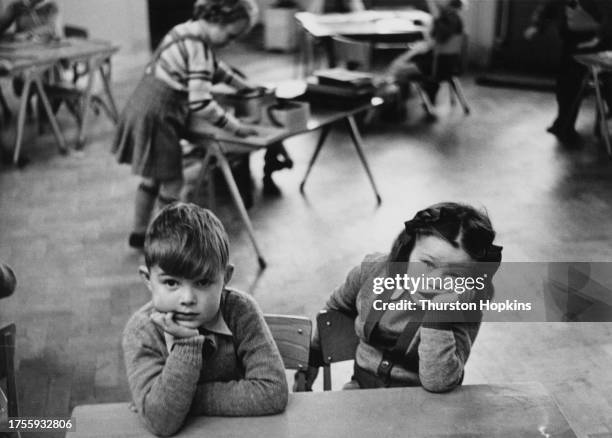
(266, 135)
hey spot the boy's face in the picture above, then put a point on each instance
(193, 302)
(219, 35)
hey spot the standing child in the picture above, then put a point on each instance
(197, 348)
(176, 87)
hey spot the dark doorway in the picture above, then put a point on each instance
(164, 15)
(539, 56)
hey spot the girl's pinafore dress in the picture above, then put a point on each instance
(151, 126)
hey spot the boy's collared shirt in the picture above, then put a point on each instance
(209, 330)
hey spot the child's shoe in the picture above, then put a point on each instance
(269, 187)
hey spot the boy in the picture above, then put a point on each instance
(197, 348)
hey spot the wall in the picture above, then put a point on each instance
(480, 18)
(125, 22)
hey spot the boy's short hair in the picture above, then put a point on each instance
(187, 241)
(226, 11)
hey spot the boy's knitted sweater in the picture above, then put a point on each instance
(209, 374)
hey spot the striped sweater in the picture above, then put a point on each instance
(185, 62)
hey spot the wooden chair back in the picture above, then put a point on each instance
(292, 335)
(338, 340)
(7, 367)
(352, 54)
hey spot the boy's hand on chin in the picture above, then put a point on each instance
(167, 323)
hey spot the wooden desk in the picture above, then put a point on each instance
(375, 26)
(321, 118)
(596, 64)
(522, 410)
(366, 24)
(32, 60)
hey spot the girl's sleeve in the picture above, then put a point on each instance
(344, 297)
(200, 68)
(162, 389)
(263, 390)
(443, 352)
(225, 74)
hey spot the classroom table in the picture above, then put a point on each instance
(597, 63)
(508, 410)
(220, 142)
(32, 60)
(376, 26)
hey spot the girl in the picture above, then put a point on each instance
(176, 86)
(417, 347)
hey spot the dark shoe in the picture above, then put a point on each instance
(565, 136)
(269, 187)
(136, 240)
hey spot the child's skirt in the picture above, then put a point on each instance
(150, 129)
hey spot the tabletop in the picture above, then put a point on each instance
(602, 60)
(365, 23)
(320, 116)
(19, 55)
(512, 410)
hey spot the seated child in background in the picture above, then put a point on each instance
(176, 87)
(197, 348)
(417, 62)
(33, 19)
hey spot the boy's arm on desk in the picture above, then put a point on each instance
(162, 388)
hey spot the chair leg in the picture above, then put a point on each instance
(602, 113)
(6, 111)
(300, 382)
(425, 99)
(327, 386)
(459, 91)
(452, 93)
(21, 117)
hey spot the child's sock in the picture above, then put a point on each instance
(145, 202)
(169, 192)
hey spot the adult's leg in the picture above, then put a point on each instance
(567, 90)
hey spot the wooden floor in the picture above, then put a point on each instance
(64, 222)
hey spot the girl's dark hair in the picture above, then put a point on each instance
(461, 225)
(221, 11)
